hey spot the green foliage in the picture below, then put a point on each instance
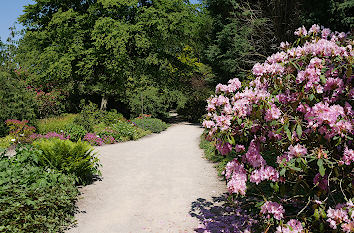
(148, 100)
(76, 132)
(77, 158)
(33, 199)
(15, 101)
(20, 130)
(88, 117)
(126, 131)
(6, 142)
(194, 108)
(336, 14)
(55, 124)
(98, 47)
(110, 117)
(152, 124)
(140, 133)
(238, 37)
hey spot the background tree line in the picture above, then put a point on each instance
(146, 56)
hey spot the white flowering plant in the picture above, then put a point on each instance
(289, 131)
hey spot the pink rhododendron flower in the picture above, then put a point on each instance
(292, 226)
(325, 33)
(253, 155)
(234, 84)
(272, 113)
(348, 157)
(239, 148)
(274, 208)
(237, 177)
(301, 31)
(314, 29)
(297, 151)
(342, 215)
(223, 122)
(223, 147)
(258, 69)
(208, 124)
(264, 173)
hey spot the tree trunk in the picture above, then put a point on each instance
(104, 102)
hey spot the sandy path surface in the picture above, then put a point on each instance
(149, 185)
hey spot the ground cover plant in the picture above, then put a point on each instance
(288, 132)
(33, 198)
(152, 124)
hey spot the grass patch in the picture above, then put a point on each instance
(55, 124)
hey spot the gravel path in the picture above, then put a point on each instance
(149, 185)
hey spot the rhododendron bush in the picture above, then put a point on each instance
(289, 132)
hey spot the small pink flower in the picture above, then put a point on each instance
(274, 208)
(239, 148)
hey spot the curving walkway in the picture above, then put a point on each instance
(149, 185)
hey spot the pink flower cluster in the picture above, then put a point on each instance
(49, 135)
(93, 139)
(234, 84)
(274, 208)
(292, 226)
(264, 173)
(253, 155)
(236, 176)
(223, 147)
(273, 113)
(108, 139)
(293, 152)
(342, 215)
(330, 120)
(348, 156)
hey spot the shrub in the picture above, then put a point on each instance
(15, 101)
(76, 132)
(290, 132)
(77, 158)
(152, 124)
(124, 130)
(108, 132)
(55, 124)
(6, 142)
(20, 130)
(33, 199)
(110, 117)
(88, 117)
(49, 103)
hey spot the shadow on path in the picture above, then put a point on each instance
(218, 216)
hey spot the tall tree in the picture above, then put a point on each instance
(239, 37)
(106, 47)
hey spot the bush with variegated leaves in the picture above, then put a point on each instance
(289, 134)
